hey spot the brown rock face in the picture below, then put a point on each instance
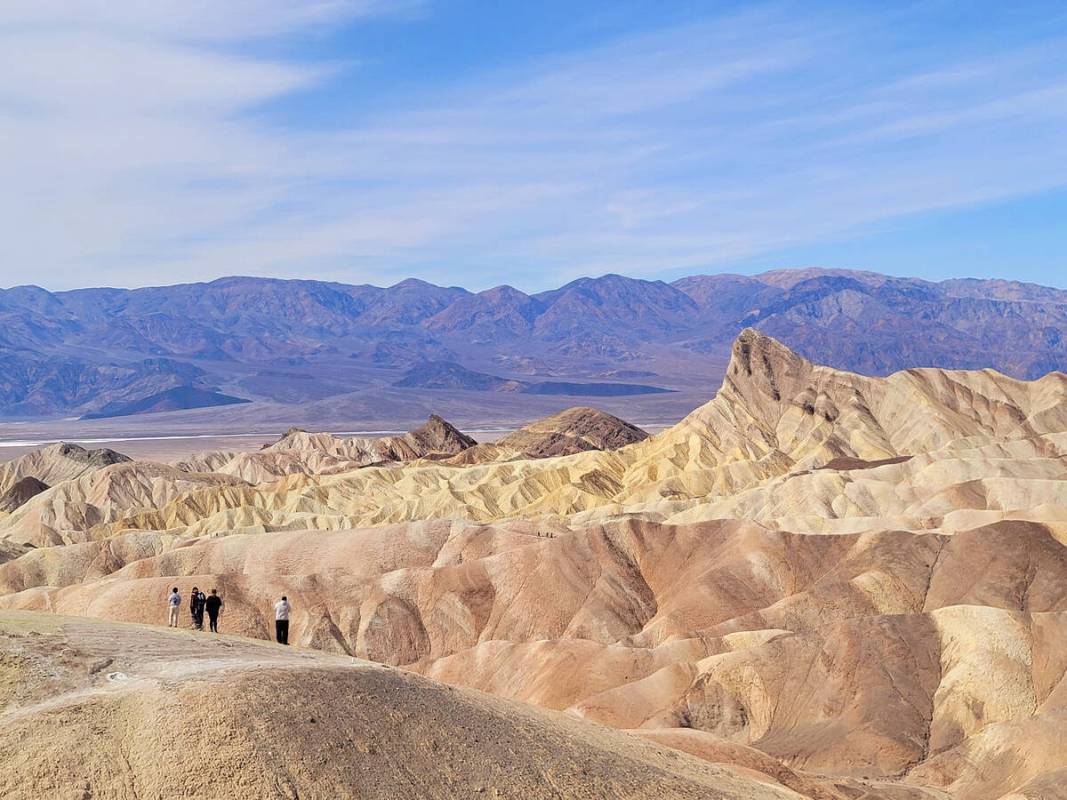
(57, 463)
(302, 452)
(572, 431)
(439, 436)
(20, 492)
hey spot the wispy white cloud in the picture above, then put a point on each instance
(191, 20)
(135, 150)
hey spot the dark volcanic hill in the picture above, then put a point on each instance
(450, 375)
(177, 399)
(79, 351)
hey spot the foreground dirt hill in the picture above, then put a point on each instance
(100, 710)
(936, 661)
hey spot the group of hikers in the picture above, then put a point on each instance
(212, 604)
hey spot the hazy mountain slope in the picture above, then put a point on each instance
(178, 398)
(489, 316)
(75, 351)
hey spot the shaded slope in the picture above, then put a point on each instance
(176, 399)
(20, 492)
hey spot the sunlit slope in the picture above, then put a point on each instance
(106, 710)
(776, 415)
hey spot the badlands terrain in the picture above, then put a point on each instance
(816, 585)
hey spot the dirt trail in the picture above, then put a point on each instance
(92, 709)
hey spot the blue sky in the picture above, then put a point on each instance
(476, 143)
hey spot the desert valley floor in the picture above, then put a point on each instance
(816, 585)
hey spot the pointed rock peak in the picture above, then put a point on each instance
(102, 457)
(286, 438)
(442, 436)
(412, 283)
(763, 363)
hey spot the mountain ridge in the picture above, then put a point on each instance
(76, 351)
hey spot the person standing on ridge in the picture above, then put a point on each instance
(174, 602)
(281, 620)
(213, 604)
(196, 608)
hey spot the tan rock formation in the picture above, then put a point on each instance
(814, 574)
(301, 452)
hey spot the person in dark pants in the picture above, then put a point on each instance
(281, 620)
(196, 608)
(213, 606)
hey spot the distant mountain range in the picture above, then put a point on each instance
(89, 351)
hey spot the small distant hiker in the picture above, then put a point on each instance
(281, 620)
(196, 608)
(213, 604)
(174, 602)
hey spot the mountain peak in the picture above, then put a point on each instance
(762, 358)
(440, 435)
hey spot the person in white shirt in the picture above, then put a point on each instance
(174, 602)
(281, 620)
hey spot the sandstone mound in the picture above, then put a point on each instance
(301, 452)
(109, 711)
(873, 657)
(572, 431)
(56, 463)
(68, 512)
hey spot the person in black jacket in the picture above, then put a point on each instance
(213, 604)
(197, 600)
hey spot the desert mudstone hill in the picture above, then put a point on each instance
(847, 587)
(103, 710)
(301, 452)
(575, 430)
(776, 417)
(56, 463)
